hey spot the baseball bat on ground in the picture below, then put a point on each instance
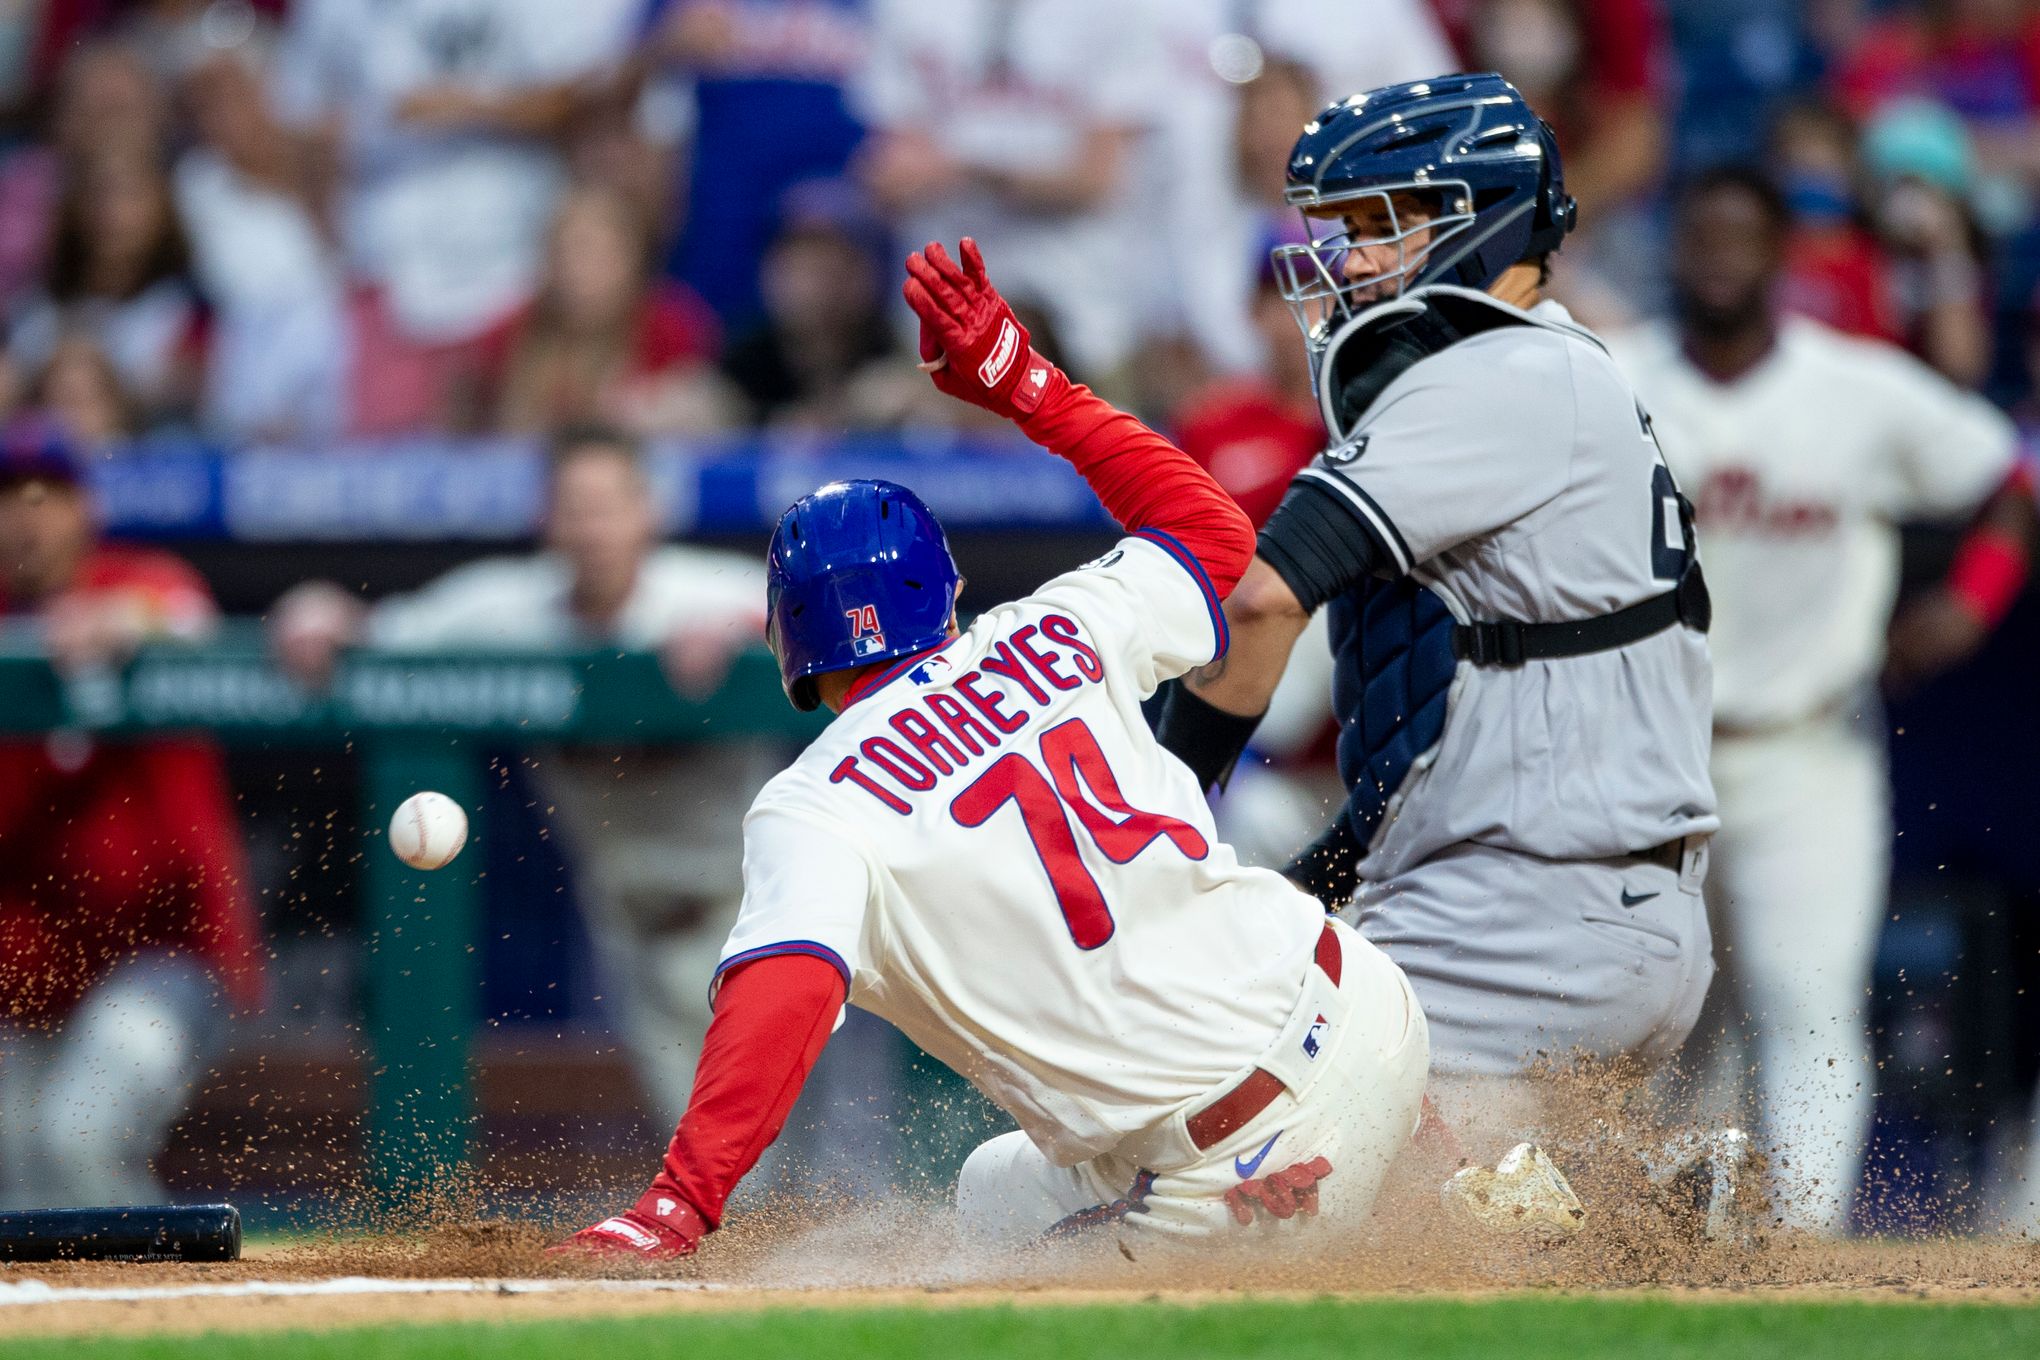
(149, 1232)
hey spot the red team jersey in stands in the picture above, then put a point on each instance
(107, 850)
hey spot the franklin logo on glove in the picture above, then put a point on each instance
(1001, 358)
(972, 345)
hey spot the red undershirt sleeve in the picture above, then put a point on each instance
(772, 1019)
(1144, 481)
(1991, 563)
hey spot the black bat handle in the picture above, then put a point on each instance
(154, 1232)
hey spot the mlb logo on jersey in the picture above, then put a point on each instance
(1313, 1038)
(866, 639)
(931, 670)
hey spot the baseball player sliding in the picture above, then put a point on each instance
(1517, 613)
(988, 849)
(1806, 448)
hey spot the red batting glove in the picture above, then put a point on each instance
(971, 343)
(1283, 1194)
(659, 1227)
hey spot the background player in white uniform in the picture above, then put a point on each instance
(1805, 449)
(1522, 680)
(988, 849)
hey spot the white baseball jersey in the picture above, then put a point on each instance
(1002, 861)
(1801, 470)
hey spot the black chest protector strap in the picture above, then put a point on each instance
(1369, 352)
(1505, 642)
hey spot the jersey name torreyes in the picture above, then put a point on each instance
(941, 733)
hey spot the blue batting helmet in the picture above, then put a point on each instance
(858, 572)
(1485, 165)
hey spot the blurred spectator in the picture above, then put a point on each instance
(1739, 62)
(80, 389)
(1019, 122)
(176, 37)
(633, 142)
(1243, 80)
(120, 273)
(1921, 172)
(106, 103)
(769, 112)
(1835, 270)
(1273, 106)
(602, 341)
(653, 835)
(443, 118)
(1980, 58)
(122, 910)
(276, 357)
(1594, 70)
(1256, 431)
(822, 285)
(1400, 40)
(1225, 202)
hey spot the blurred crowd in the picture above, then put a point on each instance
(296, 221)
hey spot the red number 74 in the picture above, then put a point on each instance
(1083, 783)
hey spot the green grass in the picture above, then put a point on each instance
(1510, 1328)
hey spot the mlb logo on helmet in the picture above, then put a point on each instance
(1312, 1039)
(865, 637)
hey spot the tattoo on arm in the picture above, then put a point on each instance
(1208, 674)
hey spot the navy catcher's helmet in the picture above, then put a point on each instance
(1468, 144)
(858, 572)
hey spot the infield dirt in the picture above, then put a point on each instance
(810, 1254)
(811, 1257)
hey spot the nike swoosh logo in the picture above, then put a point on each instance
(1630, 899)
(1247, 1168)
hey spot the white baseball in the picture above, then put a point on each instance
(428, 830)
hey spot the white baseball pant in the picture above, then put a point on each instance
(1356, 1104)
(1801, 874)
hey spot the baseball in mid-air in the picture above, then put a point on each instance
(428, 830)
